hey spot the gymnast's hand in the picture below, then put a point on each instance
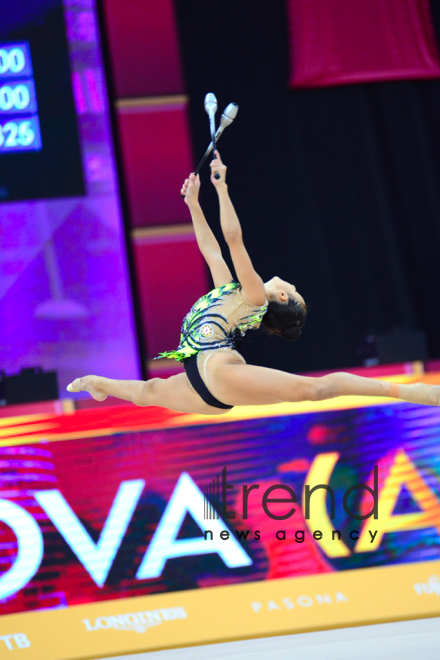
(190, 189)
(218, 168)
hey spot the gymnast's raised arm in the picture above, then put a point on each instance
(206, 240)
(251, 283)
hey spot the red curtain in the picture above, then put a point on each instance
(336, 42)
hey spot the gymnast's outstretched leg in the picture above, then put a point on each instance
(233, 382)
(174, 392)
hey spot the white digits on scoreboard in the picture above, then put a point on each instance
(14, 97)
(22, 97)
(4, 61)
(9, 131)
(19, 121)
(14, 135)
(26, 134)
(13, 60)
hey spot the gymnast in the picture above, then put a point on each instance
(216, 376)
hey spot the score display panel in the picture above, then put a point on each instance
(65, 292)
(19, 122)
(40, 153)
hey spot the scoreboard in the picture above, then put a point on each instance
(19, 121)
(41, 154)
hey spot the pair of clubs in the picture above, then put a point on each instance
(228, 116)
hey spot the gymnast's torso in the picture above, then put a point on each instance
(215, 322)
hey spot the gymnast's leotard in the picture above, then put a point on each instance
(215, 322)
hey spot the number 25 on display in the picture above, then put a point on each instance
(19, 135)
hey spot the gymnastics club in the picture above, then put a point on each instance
(228, 116)
(211, 109)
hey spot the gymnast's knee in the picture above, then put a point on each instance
(148, 392)
(320, 389)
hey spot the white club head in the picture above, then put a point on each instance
(210, 104)
(228, 115)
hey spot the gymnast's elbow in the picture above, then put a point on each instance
(233, 237)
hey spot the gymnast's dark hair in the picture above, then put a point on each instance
(285, 319)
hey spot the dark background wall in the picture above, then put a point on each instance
(337, 189)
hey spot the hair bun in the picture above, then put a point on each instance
(291, 334)
(285, 319)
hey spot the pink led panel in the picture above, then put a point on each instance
(156, 156)
(171, 275)
(143, 47)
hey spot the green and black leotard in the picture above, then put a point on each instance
(215, 322)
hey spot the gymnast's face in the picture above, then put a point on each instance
(279, 290)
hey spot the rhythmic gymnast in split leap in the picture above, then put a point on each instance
(216, 376)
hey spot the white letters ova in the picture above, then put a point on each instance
(97, 558)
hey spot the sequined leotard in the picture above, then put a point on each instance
(215, 322)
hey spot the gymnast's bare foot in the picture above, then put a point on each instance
(86, 384)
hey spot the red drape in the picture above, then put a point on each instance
(335, 42)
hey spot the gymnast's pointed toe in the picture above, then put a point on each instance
(74, 386)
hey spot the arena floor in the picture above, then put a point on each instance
(403, 640)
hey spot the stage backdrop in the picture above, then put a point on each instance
(146, 503)
(65, 293)
(336, 188)
(335, 43)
